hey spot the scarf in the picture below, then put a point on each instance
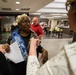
(16, 37)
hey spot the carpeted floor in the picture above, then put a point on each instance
(53, 46)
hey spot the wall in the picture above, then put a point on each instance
(6, 22)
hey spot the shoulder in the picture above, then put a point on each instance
(1, 55)
(33, 34)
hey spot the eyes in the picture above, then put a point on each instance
(25, 22)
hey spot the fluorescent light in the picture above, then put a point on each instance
(60, 1)
(58, 14)
(56, 5)
(17, 2)
(53, 10)
(55, 14)
(35, 13)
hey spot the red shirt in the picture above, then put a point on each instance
(37, 29)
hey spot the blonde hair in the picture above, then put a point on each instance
(19, 18)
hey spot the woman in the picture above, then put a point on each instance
(32, 63)
(22, 35)
(62, 64)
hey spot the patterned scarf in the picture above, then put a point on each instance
(16, 37)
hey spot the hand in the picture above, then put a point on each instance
(6, 47)
(33, 45)
(44, 56)
(2, 49)
(34, 42)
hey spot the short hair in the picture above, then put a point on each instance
(21, 17)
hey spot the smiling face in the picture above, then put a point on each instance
(24, 24)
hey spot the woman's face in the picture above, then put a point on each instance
(24, 25)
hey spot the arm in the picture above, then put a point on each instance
(33, 45)
(4, 48)
(40, 36)
(32, 63)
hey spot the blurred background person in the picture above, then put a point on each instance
(35, 26)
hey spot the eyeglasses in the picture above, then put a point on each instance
(71, 5)
(68, 5)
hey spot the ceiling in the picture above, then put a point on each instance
(44, 8)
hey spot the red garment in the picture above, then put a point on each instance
(37, 29)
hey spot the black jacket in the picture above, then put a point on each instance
(4, 67)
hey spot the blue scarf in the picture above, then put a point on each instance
(16, 37)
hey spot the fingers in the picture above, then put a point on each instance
(34, 41)
(2, 49)
(6, 47)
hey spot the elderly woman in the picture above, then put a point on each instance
(22, 34)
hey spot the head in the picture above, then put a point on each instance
(23, 22)
(35, 21)
(72, 15)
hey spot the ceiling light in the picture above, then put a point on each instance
(55, 5)
(17, 9)
(57, 14)
(25, 9)
(52, 10)
(35, 13)
(17, 2)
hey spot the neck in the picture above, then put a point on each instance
(23, 33)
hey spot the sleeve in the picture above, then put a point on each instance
(9, 40)
(41, 31)
(4, 67)
(55, 66)
(32, 65)
(39, 49)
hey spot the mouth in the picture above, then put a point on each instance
(27, 27)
